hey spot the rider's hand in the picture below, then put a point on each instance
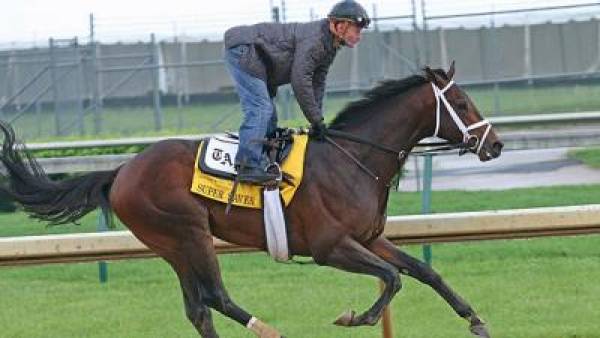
(318, 129)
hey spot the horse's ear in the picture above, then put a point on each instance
(450, 72)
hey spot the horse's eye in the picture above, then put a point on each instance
(462, 106)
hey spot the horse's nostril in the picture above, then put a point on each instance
(497, 147)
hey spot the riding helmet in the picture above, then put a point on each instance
(350, 10)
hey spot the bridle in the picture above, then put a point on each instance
(471, 141)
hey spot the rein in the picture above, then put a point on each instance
(400, 154)
(439, 146)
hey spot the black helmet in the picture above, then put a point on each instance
(350, 10)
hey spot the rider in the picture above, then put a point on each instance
(264, 56)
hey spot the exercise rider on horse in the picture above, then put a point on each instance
(264, 56)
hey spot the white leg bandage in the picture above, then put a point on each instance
(261, 329)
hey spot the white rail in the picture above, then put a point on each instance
(503, 224)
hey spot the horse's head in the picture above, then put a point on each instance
(458, 119)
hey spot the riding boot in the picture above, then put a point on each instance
(255, 175)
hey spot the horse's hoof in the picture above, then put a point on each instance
(479, 330)
(345, 319)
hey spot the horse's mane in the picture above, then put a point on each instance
(357, 112)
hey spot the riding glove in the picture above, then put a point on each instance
(318, 130)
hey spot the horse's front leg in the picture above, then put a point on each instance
(351, 256)
(424, 273)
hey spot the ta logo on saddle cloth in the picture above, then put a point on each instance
(214, 172)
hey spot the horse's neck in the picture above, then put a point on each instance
(398, 125)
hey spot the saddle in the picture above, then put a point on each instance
(217, 154)
(214, 172)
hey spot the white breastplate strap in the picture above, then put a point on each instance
(440, 97)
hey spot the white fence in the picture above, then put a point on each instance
(541, 138)
(449, 227)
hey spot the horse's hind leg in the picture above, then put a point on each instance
(351, 256)
(196, 309)
(413, 267)
(196, 265)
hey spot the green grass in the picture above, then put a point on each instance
(523, 100)
(19, 224)
(524, 289)
(538, 288)
(590, 156)
(456, 200)
(135, 121)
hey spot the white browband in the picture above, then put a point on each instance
(440, 96)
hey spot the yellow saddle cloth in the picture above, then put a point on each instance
(248, 195)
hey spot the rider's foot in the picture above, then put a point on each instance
(255, 175)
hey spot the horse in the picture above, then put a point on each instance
(337, 216)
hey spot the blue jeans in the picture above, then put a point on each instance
(260, 117)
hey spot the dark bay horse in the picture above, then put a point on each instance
(337, 216)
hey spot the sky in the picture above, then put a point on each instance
(35, 21)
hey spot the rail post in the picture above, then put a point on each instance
(156, 69)
(102, 265)
(426, 200)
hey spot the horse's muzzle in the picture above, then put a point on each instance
(491, 151)
(496, 149)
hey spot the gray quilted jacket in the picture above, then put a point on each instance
(296, 53)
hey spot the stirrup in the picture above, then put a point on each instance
(274, 166)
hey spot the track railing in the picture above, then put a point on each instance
(417, 229)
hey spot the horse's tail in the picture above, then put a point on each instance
(57, 202)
